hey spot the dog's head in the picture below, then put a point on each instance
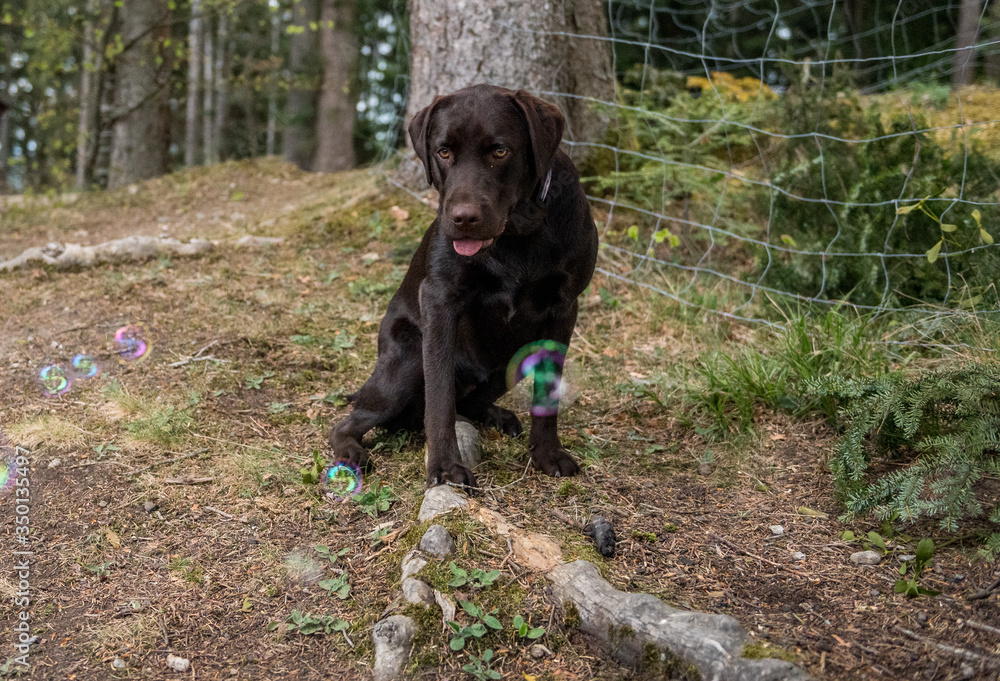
(485, 149)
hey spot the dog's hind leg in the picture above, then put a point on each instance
(394, 390)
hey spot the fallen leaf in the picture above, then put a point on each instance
(805, 510)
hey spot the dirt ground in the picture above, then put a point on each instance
(169, 515)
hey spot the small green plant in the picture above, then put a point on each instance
(307, 624)
(100, 569)
(462, 634)
(948, 231)
(475, 578)
(909, 587)
(103, 448)
(255, 382)
(312, 473)
(332, 556)
(480, 666)
(376, 500)
(377, 534)
(644, 536)
(522, 629)
(875, 540)
(475, 630)
(338, 585)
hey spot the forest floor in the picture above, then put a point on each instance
(169, 514)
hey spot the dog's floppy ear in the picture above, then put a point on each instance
(419, 127)
(545, 125)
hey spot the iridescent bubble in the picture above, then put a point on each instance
(543, 361)
(55, 380)
(8, 465)
(132, 342)
(85, 366)
(300, 567)
(342, 480)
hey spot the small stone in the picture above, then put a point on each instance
(392, 637)
(705, 469)
(417, 592)
(922, 617)
(437, 542)
(866, 558)
(446, 604)
(470, 447)
(958, 578)
(798, 556)
(777, 530)
(439, 500)
(538, 651)
(102, 503)
(905, 557)
(118, 663)
(178, 664)
(150, 506)
(413, 563)
(874, 592)
(54, 463)
(967, 671)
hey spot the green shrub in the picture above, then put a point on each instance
(941, 432)
(899, 164)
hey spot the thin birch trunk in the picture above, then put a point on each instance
(222, 61)
(272, 93)
(193, 85)
(208, 90)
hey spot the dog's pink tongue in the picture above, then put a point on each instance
(469, 246)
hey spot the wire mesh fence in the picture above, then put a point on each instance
(766, 155)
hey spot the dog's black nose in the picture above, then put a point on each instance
(465, 214)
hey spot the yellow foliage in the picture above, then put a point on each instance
(731, 88)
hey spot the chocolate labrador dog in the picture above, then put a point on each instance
(512, 247)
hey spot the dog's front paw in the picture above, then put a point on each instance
(455, 473)
(349, 451)
(554, 461)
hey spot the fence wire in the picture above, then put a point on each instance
(769, 152)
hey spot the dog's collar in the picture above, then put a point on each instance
(545, 187)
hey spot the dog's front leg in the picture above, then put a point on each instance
(437, 314)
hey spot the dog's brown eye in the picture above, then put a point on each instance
(444, 153)
(500, 152)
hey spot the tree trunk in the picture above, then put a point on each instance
(338, 97)
(139, 146)
(991, 64)
(518, 45)
(86, 133)
(208, 90)
(300, 110)
(272, 93)
(193, 86)
(222, 61)
(965, 57)
(4, 144)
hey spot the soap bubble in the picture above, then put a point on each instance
(342, 480)
(132, 342)
(55, 380)
(543, 361)
(8, 465)
(85, 366)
